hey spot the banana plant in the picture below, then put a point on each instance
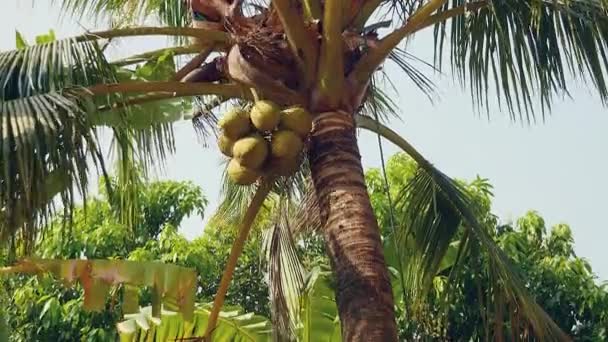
(233, 325)
(319, 319)
(172, 286)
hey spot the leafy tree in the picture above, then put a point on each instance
(40, 309)
(561, 282)
(325, 56)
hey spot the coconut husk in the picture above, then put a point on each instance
(240, 70)
(265, 115)
(296, 119)
(251, 151)
(240, 174)
(235, 123)
(285, 144)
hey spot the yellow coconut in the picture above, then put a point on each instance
(283, 166)
(265, 115)
(235, 123)
(225, 145)
(240, 174)
(297, 119)
(286, 144)
(250, 151)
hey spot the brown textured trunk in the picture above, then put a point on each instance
(363, 292)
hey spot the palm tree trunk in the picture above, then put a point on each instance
(363, 289)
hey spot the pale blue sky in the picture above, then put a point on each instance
(558, 168)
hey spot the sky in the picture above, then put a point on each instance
(557, 167)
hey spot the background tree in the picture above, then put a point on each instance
(41, 309)
(290, 53)
(460, 303)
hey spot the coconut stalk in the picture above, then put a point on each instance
(237, 248)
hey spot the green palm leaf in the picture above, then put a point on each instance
(285, 277)
(508, 280)
(526, 48)
(40, 135)
(436, 205)
(427, 225)
(170, 12)
(51, 67)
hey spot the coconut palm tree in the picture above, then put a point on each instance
(325, 56)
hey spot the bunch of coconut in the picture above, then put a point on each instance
(263, 141)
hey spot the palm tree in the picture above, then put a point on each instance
(323, 55)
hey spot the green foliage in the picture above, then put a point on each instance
(319, 313)
(52, 126)
(170, 12)
(97, 233)
(233, 325)
(464, 300)
(173, 285)
(460, 299)
(563, 283)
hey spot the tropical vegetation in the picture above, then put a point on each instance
(41, 309)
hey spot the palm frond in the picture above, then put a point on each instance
(52, 67)
(203, 118)
(451, 203)
(170, 12)
(378, 101)
(40, 135)
(427, 226)
(235, 198)
(404, 60)
(526, 49)
(234, 201)
(305, 219)
(513, 286)
(399, 10)
(285, 276)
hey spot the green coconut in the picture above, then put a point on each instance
(235, 123)
(240, 174)
(225, 145)
(297, 119)
(286, 144)
(250, 151)
(265, 115)
(283, 166)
